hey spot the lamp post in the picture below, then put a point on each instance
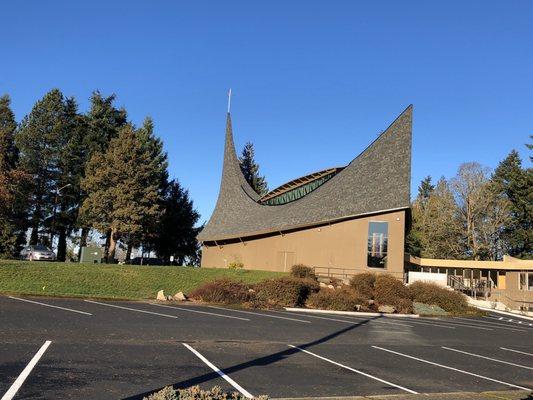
(54, 213)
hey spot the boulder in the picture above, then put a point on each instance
(386, 309)
(251, 291)
(331, 286)
(161, 296)
(322, 284)
(180, 296)
(169, 298)
(324, 279)
(346, 281)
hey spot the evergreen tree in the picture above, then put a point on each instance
(8, 125)
(250, 170)
(41, 137)
(13, 185)
(176, 233)
(515, 183)
(122, 187)
(154, 147)
(104, 121)
(426, 188)
(530, 147)
(72, 160)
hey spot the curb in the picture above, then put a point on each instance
(509, 314)
(352, 313)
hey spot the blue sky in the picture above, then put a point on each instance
(313, 81)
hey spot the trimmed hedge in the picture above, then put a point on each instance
(392, 292)
(195, 393)
(338, 300)
(224, 291)
(364, 284)
(432, 294)
(284, 292)
(303, 271)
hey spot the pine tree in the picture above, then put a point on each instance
(122, 187)
(72, 160)
(250, 170)
(426, 188)
(154, 146)
(516, 183)
(530, 147)
(104, 122)
(8, 125)
(13, 185)
(176, 233)
(41, 137)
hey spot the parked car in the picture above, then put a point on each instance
(37, 252)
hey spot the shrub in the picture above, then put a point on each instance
(392, 292)
(339, 300)
(225, 291)
(236, 265)
(364, 284)
(302, 271)
(432, 294)
(195, 393)
(285, 291)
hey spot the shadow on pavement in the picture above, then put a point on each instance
(262, 361)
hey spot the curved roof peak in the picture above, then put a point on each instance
(378, 179)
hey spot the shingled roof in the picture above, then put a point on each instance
(377, 180)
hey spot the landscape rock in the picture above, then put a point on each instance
(346, 281)
(370, 302)
(324, 279)
(161, 296)
(180, 296)
(169, 298)
(386, 309)
(322, 284)
(331, 286)
(251, 291)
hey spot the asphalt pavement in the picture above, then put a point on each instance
(79, 349)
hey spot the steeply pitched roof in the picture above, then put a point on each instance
(378, 179)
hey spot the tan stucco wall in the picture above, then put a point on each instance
(512, 296)
(341, 245)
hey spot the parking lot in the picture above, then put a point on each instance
(125, 350)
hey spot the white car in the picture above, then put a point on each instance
(37, 252)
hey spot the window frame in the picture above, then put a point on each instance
(385, 258)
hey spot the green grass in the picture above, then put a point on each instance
(110, 281)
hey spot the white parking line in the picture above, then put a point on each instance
(132, 309)
(451, 368)
(525, 323)
(517, 351)
(260, 314)
(352, 319)
(354, 370)
(343, 320)
(487, 358)
(243, 391)
(200, 312)
(50, 305)
(492, 324)
(461, 325)
(25, 372)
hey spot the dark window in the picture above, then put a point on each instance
(377, 244)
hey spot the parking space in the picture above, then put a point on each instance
(125, 350)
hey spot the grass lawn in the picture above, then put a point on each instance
(110, 281)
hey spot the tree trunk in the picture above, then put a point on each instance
(62, 245)
(112, 247)
(83, 240)
(128, 252)
(107, 244)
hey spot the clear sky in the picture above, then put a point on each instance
(313, 81)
